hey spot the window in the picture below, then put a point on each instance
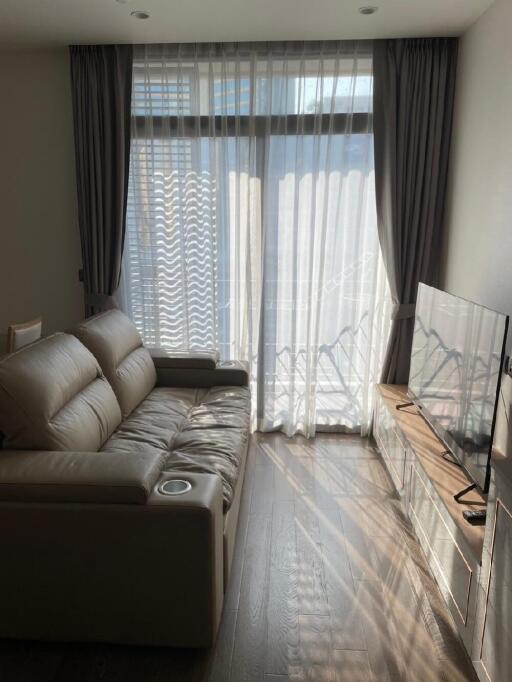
(251, 220)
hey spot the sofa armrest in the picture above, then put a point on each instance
(184, 358)
(197, 369)
(92, 477)
(148, 574)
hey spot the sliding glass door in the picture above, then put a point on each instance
(251, 221)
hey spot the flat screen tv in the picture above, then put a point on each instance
(457, 361)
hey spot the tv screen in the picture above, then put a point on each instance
(456, 365)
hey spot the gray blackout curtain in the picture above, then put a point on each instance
(101, 81)
(414, 84)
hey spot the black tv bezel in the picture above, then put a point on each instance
(443, 435)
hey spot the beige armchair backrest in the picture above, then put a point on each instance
(19, 335)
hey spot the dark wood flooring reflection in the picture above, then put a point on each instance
(328, 584)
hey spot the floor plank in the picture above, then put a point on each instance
(352, 666)
(383, 655)
(316, 662)
(283, 604)
(251, 627)
(235, 579)
(345, 617)
(220, 665)
(262, 497)
(311, 580)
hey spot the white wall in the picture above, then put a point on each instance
(478, 253)
(39, 239)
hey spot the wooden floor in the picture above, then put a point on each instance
(328, 584)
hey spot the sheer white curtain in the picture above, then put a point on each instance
(252, 224)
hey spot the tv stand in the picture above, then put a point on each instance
(469, 558)
(458, 496)
(427, 481)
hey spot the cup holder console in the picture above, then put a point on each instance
(176, 486)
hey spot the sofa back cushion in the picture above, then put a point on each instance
(115, 342)
(53, 396)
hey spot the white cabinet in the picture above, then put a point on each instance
(426, 483)
(391, 445)
(452, 565)
(471, 564)
(492, 652)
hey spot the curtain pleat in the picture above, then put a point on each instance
(101, 78)
(414, 86)
(252, 224)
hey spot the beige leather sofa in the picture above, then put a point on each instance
(93, 548)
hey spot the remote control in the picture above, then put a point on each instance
(475, 517)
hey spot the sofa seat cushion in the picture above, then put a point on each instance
(155, 422)
(214, 437)
(210, 451)
(222, 406)
(194, 430)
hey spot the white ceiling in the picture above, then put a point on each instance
(38, 23)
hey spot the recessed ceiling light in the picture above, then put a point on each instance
(140, 14)
(368, 10)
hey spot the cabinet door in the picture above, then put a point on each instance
(496, 655)
(451, 568)
(390, 445)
